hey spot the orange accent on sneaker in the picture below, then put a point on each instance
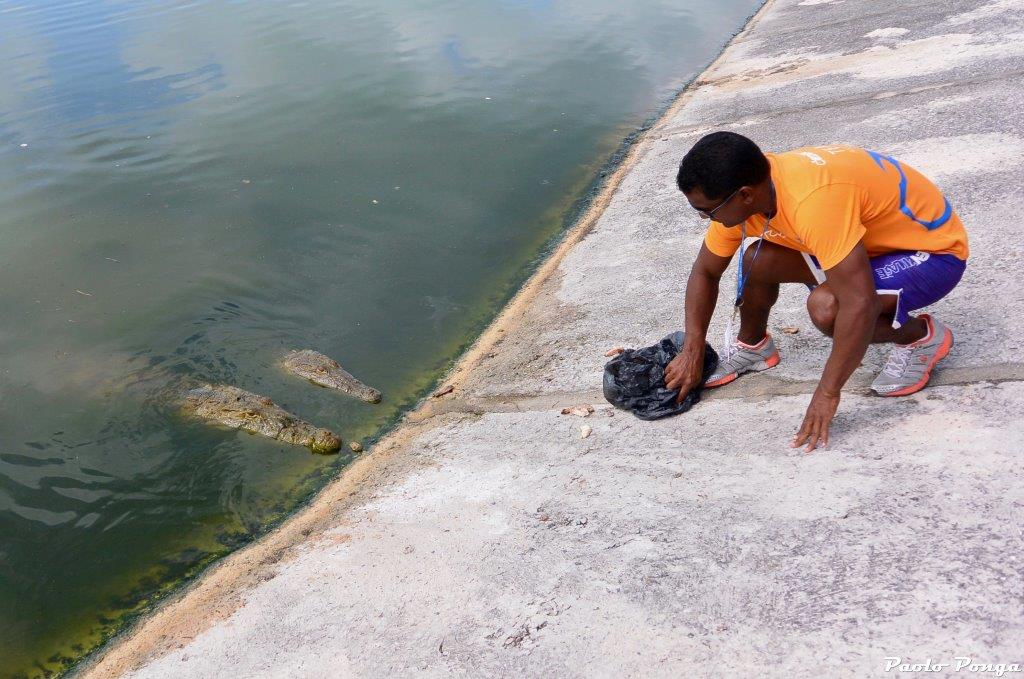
(943, 351)
(721, 381)
(928, 335)
(755, 347)
(769, 362)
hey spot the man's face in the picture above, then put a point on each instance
(731, 210)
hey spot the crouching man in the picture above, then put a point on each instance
(871, 237)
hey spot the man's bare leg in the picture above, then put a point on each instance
(774, 265)
(822, 306)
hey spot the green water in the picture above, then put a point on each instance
(190, 189)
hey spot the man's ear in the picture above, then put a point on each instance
(746, 195)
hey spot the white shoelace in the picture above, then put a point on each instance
(897, 363)
(729, 339)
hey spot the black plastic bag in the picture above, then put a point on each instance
(635, 379)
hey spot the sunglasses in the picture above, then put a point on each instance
(709, 214)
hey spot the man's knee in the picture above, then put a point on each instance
(822, 306)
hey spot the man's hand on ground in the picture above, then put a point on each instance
(814, 430)
(685, 371)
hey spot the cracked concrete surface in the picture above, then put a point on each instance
(486, 538)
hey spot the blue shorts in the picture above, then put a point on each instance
(918, 279)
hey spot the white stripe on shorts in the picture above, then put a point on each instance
(816, 271)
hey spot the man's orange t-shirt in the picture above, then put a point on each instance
(829, 198)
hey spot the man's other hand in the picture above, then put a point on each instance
(814, 430)
(686, 370)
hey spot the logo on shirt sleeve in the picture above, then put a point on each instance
(813, 157)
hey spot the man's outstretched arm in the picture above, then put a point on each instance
(858, 307)
(686, 369)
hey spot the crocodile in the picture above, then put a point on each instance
(326, 372)
(241, 409)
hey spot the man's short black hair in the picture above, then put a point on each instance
(720, 163)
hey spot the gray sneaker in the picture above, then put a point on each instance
(743, 358)
(910, 366)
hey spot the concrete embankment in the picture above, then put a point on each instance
(486, 538)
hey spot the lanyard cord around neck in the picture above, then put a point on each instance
(728, 345)
(729, 338)
(741, 278)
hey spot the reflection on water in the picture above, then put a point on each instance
(190, 189)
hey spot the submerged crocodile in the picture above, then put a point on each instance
(326, 372)
(241, 409)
